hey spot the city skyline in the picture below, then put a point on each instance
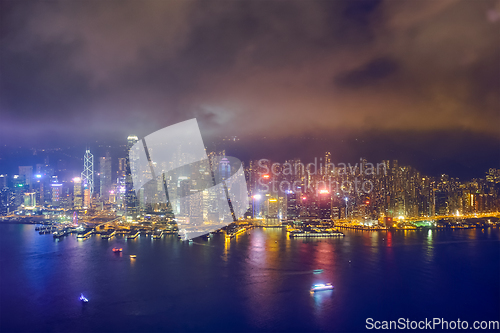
(466, 160)
(373, 190)
(249, 165)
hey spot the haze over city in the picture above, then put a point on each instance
(419, 78)
(249, 166)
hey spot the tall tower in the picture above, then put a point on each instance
(328, 166)
(77, 193)
(105, 176)
(26, 172)
(88, 171)
(131, 201)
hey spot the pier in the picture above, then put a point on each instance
(85, 233)
(158, 234)
(133, 234)
(108, 234)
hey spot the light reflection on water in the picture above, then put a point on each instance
(259, 280)
(430, 246)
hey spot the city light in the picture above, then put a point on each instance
(191, 228)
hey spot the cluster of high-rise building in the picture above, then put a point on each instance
(276, 191)
(46, 186)
(323, 190)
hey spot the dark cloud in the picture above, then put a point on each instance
(369, 74)
(104, 69)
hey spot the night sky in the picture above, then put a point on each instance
(413, 80)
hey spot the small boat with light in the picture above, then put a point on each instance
(321, 287)
(117, 250)
(83, 299)
(133, 256)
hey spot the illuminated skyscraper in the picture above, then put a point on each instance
(26, 174)
(77, 193)
(87, 196)
(122, 166)
(131, 201)
(105, 176)
(88, 171)
(224, 168)
(56, 194)
(3, 181)
(328, 167)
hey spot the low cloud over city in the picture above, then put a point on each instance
(249, 68)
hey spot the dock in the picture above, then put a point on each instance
(158, 234)
(133, 234)
(108, 234)
(85, 233)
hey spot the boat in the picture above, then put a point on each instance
(133, 256)
(83, 299)
(117, 250)
(321, 287)
(317, 271)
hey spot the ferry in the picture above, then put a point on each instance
(321, 287)
(117, 250)
(83, 299)
(133, 256)
(183, 236)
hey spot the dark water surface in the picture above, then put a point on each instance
(257, 282)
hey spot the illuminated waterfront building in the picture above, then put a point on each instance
(77, 193)
(18, 188)
(30, 200)
(324, 211)
(292, 209)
